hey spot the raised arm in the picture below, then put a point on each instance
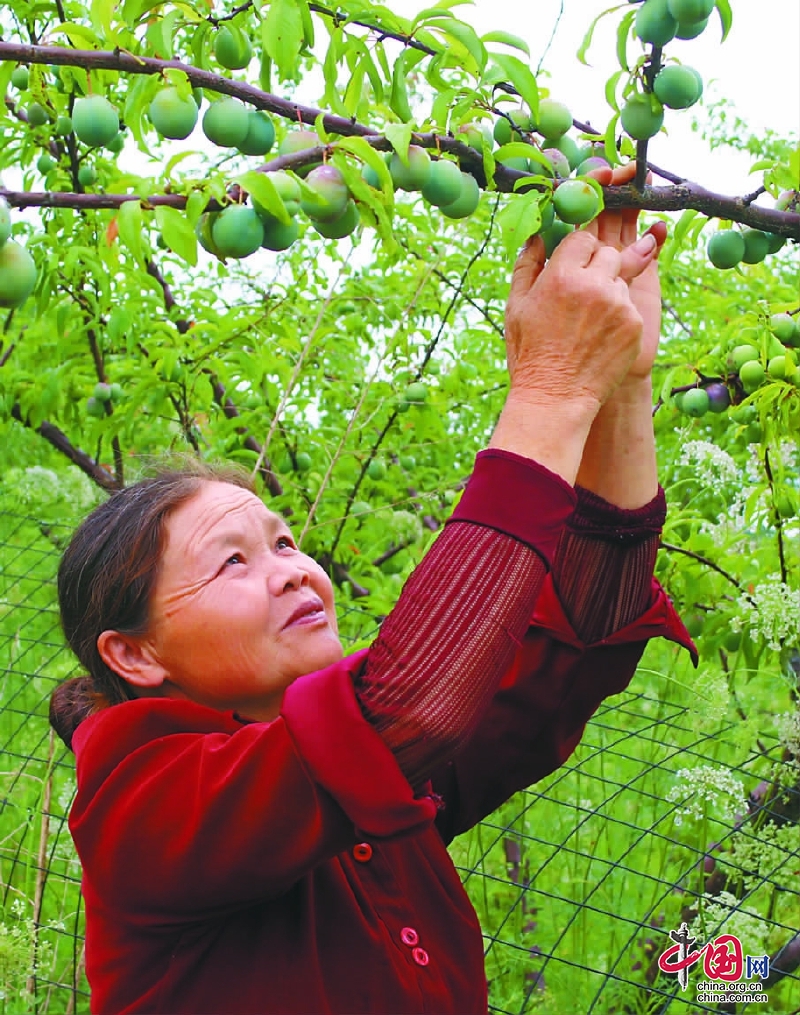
(572, 333)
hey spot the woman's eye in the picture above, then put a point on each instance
(285, 539)
(235, 558)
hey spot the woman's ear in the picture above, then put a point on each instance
(132, 659)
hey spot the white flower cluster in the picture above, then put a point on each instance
(772, 610)
(711, 696)
(712, 465)
(707, 791)
(768, 856)
(788, 724)
(722, 914)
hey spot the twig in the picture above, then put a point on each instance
(708, 563)
(778, 519)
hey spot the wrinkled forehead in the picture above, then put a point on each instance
(215, 508)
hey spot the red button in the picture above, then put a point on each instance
(409, 936)
(362, 852)
(420, 956)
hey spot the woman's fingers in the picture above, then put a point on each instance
(528, 267)
(636, 257)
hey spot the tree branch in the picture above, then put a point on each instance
(59, 440)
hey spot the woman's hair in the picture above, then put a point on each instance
(107, 576)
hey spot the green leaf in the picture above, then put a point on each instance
(399, 136)
(398, 99)
(725, 16)
(514, 150)
(261, 188)
(195, 205)
(308, 24)
(520, 219)
(611, 89)
(507, 39)
(361, 148)
(587, 39)
(623, 34)
(178, 234)
(282, 34)
(129, 224)
(463, 34)
(78, 34)
(521, 77)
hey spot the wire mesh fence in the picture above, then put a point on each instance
(585, 884)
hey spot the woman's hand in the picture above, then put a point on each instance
(573, 331)
(572, 335)
(618, 228)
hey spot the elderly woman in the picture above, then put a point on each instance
(263, 822)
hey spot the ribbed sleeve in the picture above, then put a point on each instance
(442, 651)
(603, 567)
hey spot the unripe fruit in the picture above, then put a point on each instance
(476, 135)
(725, 248)
(94, 408)
(732, 641)
(172, 115)
(719, 398)
(415, 175)
(553, 119)
(117, 393)
(740, 355)
(690, 10)
(87, 176)
(408, 462)
(554, 235)
(102, 392)
(232, 48)
(63, 126)
(19, 78)
(654, 23)
(783, 504)
(590, 164)
(45, 163)
(360, 507)
(298, 141)
(752, 375)
(117, 143)
(756, 246)
(694, 624)
(780, 367)
(5, 221)
(678, 86)
(289, 192)
(302, 461)
(444, 183)
(691, 29)
(416, 393)
(17, 275)
(695, 402)
(94, 120)
(558, 160)
(340, 227)
(237, 232)
(330, 194)
(783, 327)
(642, 116)
(503, 131)
(568, 147)
(225, 123)
(775, 243)
(576, 202)
(467, 201)
(376, 469)
(37, 114)
(278, 236)
(788, 200)
(260, 135)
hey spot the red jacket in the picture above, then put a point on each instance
(235, 867)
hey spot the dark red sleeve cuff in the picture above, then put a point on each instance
(659, 620)
(519, 497)
(600, 519)
(347, 757)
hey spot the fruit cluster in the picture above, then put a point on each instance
(746, 368)
(729, 247)
(17, 270)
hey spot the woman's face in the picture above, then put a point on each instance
(230, 579)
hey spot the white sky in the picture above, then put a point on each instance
(757, 69)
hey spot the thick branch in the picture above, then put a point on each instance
(59, 440)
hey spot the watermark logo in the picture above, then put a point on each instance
(732, 975)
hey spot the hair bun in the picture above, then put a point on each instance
(71, 703)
